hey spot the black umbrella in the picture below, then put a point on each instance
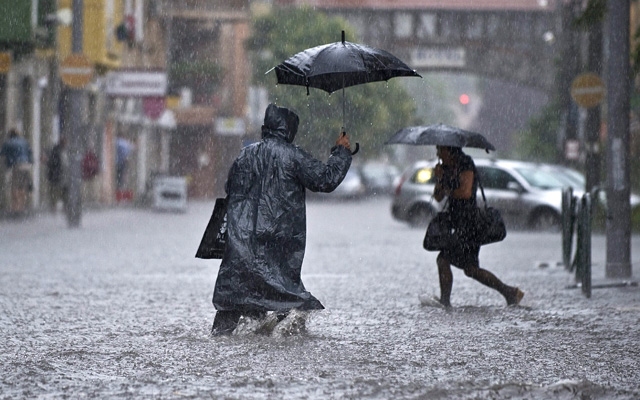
(338, 65)
(440, 135)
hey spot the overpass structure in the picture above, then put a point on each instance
(510, 40)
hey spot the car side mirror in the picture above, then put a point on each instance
(515, 186)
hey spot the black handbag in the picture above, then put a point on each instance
(440, 233)
(215, 236)
(491, 227)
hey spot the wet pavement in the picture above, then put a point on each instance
(120, 308)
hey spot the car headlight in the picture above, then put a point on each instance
(424, 175)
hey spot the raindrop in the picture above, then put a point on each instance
(548, 37)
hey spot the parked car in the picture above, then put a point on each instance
(352, 187)
(577, 181)
(527, 194)
(379, 177)
(413, 200)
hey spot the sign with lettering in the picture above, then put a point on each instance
(438, 58)
(136, 83)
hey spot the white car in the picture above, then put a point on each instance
(528, 195)
(351, 188)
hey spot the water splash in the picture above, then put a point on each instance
(273, 324)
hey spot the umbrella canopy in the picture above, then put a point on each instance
(338, 65)
(440, 135)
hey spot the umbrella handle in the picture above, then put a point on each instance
(353, 153)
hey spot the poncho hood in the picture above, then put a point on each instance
(280, 122)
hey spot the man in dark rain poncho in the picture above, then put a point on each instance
(266, 222)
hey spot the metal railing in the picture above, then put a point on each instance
(577, 217)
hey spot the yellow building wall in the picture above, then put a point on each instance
(100, 45)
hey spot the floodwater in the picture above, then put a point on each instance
(120, 308)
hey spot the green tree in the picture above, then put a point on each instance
(373, 111)
(538, 141)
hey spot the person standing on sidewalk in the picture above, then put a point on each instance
(18, 160)
(124, 148)
(266, 222)
(455, 178)
(58, 174)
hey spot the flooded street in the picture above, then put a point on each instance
(120, 308)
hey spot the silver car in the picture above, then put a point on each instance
(529, 195)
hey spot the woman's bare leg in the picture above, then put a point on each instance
(446, 280)
(513, 295)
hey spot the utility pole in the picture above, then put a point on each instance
(5, 67)
(592, 124)
(3, 103)
(74, 207)
(568, 70)
(618, 230)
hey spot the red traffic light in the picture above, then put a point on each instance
(464, 99)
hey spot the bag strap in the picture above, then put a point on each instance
(477, 177)
(445, 207)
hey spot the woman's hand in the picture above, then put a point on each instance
(439, 191)
(438, 171)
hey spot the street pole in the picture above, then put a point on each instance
(618, 229)
(3, 103)
(74, 208)
(568, 70)
(592, 125)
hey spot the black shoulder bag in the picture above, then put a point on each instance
(440, 233)
(215, 236)
(491, 226)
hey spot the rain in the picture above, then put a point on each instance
(120, 121)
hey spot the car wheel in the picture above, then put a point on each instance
(545, 220)
(420, 216)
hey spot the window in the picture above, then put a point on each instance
(494, 178)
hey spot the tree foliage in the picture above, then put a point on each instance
(538, 141)
(372, 111)
(593, 13)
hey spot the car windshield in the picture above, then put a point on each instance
(542, 179)
(573, 178)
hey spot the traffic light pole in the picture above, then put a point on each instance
(618, 264)
(74, 206)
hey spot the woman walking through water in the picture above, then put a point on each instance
(456, 179)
